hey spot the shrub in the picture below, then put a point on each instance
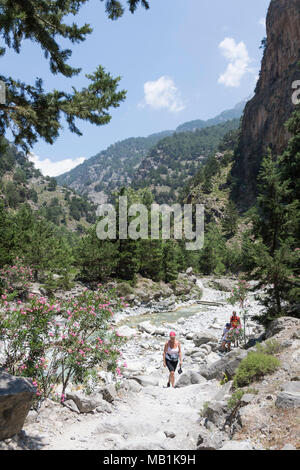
(238, 395)
(54, 343)
(124, 288)
(235, 334)
(16, 278)
(253, 367)
(271, 346)
(235, 398)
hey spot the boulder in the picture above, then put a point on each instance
(224, 285)
(189, 378)
(131, 385)
(290, 396)
(203, 338)
(227, 364)
(224, 390)
(147, 327)
(247, 398)
(16, 394)
(84, 403)
(71, 405)
(160, 332)
(104, 407)
(280, 324)
(126, 331)
(189, 271)
(109, 393)
(216, 413)
(211, 440)
(146, 381)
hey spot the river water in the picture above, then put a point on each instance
(160, 318)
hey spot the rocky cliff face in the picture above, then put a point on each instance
(265, 115)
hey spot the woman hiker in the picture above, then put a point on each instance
(172, 352)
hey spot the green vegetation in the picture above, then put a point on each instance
(172, 164)
(238, 395)
(253, 367)
(112, 168)
(274, 252)
(51, 352)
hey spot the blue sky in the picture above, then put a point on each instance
(181, 60)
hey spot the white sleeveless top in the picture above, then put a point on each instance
(172, 354)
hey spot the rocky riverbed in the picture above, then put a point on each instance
(140, 412)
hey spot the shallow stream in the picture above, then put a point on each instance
(160, 318)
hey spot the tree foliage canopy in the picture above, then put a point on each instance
(29, 111)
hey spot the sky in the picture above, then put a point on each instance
(180, 60)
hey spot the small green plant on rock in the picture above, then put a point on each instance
(235, 398)
(271, 346)
(238, 395)
(204, 408)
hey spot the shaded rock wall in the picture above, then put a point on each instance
(265, 115)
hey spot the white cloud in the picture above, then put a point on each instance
(163, 93)
(49, 168)
(239, 61)
(262, 22)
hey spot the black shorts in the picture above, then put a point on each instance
(171, 365)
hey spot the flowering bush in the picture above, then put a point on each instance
(53, 343)
(235, 334)
(239, 293)
(15, 278)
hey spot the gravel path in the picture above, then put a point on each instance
(148, 417)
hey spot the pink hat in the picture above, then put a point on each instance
(172, 333)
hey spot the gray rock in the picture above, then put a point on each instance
(31, 417)
(293, 387)
(160, 332)
(124, 330)
(290, 396)
(225, 389)
(238, 445)
(170, 434)
(16, 394)
(104, 407)
(198, 354)
(71, 405)
(216, 413)
(227, 364)
(189, 378)
(146, 381)
(206, 348)
(109, 393)
(247, 398)
(132, 386)
(224, 285)
(84, 403)
(203, 338)
(280, 324)
(211, 440)
(147, 327)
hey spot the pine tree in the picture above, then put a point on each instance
(213, 255)
(96, 259)
(230, 220)
(29, 111)
(170, 264)
(273, 249)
